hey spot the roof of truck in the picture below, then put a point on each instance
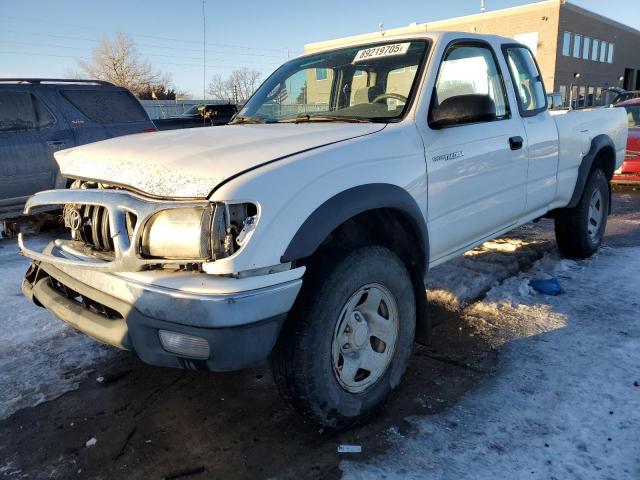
(382, 37)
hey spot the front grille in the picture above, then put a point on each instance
(90, 225)
(95, 230)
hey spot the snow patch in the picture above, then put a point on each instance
(463, 280)
(41, 357)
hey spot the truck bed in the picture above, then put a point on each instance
(576, 130)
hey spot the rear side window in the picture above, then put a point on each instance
(526, 80)
(106, 106)
(22, 111)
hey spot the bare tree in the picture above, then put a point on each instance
(163, 89)
(118, 62)
(237, 87)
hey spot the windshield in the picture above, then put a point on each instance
(633, 115)
(194, 110)
(366, 83)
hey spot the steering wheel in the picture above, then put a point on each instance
(384, 96)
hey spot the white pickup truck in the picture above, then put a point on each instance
(303, 231)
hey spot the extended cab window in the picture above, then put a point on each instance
(359, 84)
(470, 71)
(527, 80)
(22, 111)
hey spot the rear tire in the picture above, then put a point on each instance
(348, 338)
(579, 230)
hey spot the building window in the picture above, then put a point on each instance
(321, 73)
(598, 96)
(566, 44)
(358, 73)
(591, 96)
(586, 48)
(563, 93)
(576, 45)
(595, 48)
(629, 73)
(610, 55)
(581, 100)
(573, 95)
(603, 52)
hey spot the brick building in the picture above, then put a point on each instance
(575, 48)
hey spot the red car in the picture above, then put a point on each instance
(629, 173)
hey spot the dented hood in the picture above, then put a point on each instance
(190, 163)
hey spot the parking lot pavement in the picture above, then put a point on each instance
(500, 380)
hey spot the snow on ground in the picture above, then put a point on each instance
(463, 280)
(566, 402)
(41, 357)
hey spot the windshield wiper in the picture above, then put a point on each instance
(247, 120)
(306, 118)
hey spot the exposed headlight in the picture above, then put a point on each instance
(198, 233)
(178, 233)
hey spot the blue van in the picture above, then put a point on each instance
(41, 116)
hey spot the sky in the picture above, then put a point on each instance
(45, 38)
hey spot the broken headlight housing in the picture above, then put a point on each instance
(198, 233)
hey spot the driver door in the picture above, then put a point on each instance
(477, 172)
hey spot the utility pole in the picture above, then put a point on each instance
(482, 9)
(204, 63)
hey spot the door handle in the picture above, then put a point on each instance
(55, 143)
(516, 143)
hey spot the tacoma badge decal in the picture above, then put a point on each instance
(448, 156)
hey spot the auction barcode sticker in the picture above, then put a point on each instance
(381, 51)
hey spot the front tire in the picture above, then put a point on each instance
(579, 230)
(349, 337)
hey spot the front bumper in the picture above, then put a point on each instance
(240, 328)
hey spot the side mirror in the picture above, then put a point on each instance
(463, 109)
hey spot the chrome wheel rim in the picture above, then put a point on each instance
(596, 216)
(365, 337)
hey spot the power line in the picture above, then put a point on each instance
(227, 45)
(215, 59)
(92, 40)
